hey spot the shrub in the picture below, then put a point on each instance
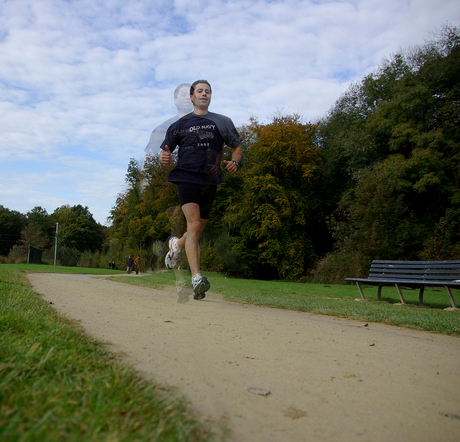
(336, 266)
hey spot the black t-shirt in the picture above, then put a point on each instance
(200, 139)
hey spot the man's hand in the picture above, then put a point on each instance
(165, 155)
(231, 166)
(215, 169)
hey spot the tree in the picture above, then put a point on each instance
(378, 222)
(139, 216)
(275, 215)
(11, 225)
(39, 231)
(78, 229)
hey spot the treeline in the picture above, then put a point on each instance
(377, 178)
(78, 235)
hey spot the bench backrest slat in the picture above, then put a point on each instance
(415, 270)
(453, 268)
(429, 263)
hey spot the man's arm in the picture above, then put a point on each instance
(232, 165)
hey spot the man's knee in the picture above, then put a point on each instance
(194, 226)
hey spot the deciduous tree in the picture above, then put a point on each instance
(275, 215)
(11, 225)
(78, 229)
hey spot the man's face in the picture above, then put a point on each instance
(182, 100)
(201, 97)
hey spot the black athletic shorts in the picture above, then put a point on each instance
(201, 195)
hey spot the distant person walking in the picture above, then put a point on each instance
(129, 264)
(200, 137)
(137, 264)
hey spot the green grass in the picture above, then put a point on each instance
(58, 384)
(328, 299)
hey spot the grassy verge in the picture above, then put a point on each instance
(58, 384)
(333, 300)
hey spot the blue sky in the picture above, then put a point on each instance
(83, 83)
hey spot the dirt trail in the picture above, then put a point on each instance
(329, 379)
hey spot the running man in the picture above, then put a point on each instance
(200, 137)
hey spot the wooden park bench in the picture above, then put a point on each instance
(418, 274)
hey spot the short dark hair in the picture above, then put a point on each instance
(178, 88)
(192, 87)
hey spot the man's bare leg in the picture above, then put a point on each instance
(195, 227)
(181, 240)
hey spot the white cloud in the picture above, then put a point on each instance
(83, 83)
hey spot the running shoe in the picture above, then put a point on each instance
(173, 255)
(200, 286)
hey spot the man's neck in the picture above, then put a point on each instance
(200, 111)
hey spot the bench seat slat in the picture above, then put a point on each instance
(415, 271)
(415, 277)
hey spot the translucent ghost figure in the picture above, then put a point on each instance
(184, 107)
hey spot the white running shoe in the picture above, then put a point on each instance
(200, 286)
(173, 255)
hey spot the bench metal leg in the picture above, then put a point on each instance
(401, 297)
(449, 293)
(379, 293)
(360, 290)
(420, 295)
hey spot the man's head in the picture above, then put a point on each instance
(192, 87)
(182, 98)
(200, 94)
